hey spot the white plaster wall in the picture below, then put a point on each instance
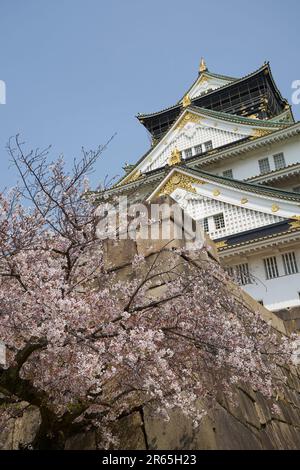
(237, 219)
(203, 86)
(255, 211)
(278, 293)
(191, 136)
(246, 166)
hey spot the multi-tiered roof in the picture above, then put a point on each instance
(243, 116)
(255, 94)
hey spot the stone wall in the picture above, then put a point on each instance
(290, 318)
(22, 427)
(251, 424)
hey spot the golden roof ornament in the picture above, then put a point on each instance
(202, 66)
(186, 101)
(295, 224)
(296, 221)
(175, 157)
(180, 180)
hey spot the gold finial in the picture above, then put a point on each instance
(175, 157)
(202, 66)
(186, 101)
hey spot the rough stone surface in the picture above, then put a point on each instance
(82, 441)
(290, 317)
(21, 430)
(249, 425)
(130, 432)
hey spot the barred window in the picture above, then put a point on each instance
(230, 271)
(188, 153)
(243, 274)
(279, 161)
(228, 174)
(198, 149)
(271, 267)
(205, 225)
(290, 263)
(264, 165)
(208, 145)
(240, 273)
(219, 221)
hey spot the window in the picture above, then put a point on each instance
(279, 161)
(208, 145)
(198, 149)
(297, 189)
(228, 174)
(188, 153)
(240, 273)
(290, 263)
(264, 165)
(243, 274)
(230, 270)
(219, 221)
(271, 267)
(205, 225)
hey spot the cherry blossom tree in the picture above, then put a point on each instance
(88, 348)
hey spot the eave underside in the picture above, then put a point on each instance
(255, 236)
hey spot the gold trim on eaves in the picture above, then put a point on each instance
(179, 180)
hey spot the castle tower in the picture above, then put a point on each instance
(228, 152)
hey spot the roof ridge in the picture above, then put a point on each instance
(272, 172)
(230, 117)
(210, 74)
(265, 65)
(288, 194)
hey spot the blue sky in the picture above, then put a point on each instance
(78, 71)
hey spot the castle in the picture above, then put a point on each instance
(228, 153)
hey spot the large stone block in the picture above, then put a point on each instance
(22, 428)
(82, 441)
(118, 253)
(130, 432)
